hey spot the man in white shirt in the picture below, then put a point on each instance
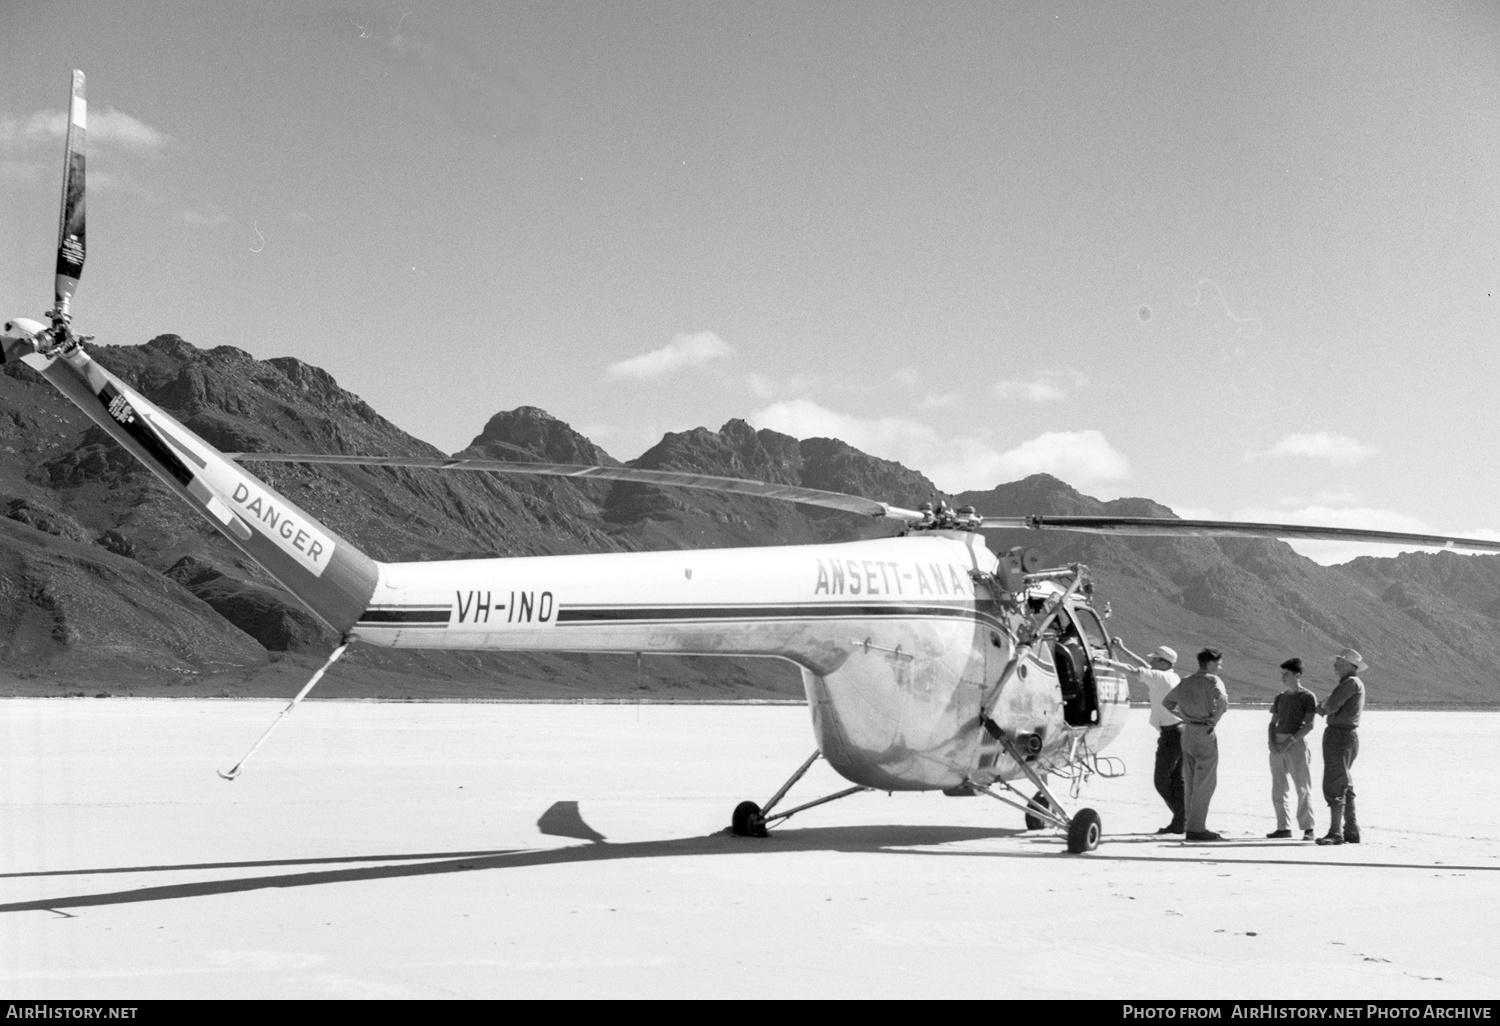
(1158, 678)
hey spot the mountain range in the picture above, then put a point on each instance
(109, 585)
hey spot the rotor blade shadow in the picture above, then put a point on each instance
(328, 860)
(891, 840)
(864, 839)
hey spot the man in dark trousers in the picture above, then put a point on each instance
(1342, 709)
(1293, 713)
(1201, 700)
(1157, 677)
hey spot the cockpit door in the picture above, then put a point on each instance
(1078, 636)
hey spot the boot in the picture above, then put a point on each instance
(1335, 833)
(1351, 825)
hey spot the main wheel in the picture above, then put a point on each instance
(1083, 832)
(747, 821)
(1033, 821)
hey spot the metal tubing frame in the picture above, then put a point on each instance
(1055, 814)
(801, 770)
(1022, 651)
(788, 814)
(1028, 646)
(766, 819)
(1056, 819)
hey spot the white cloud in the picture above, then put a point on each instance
(44, 126)
(940, 400)
(1340, 450)
(31, 147)
(1356, 517)
(687, 349)
(803, 418)
(1038, 390)
(110, 125)
(1078, 457)
(1048, 386)
(106, 126)
(1343, 496)
(907, 377)
(211, 219)
(622, 441)
(766, 387)
(1081, 458)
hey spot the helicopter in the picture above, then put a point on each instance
(928, 661)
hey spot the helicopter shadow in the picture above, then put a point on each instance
(879, 839)
(850, 840)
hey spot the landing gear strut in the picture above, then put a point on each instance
(1044, 809)
(750, 820)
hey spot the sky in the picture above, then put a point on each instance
(1238, 258)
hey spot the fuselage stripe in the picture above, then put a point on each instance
(438, 615)
(585, 615)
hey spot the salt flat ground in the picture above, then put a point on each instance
(389, 850)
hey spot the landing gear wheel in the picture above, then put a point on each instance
(1083, 832)
(1033, 821)
(747, 821)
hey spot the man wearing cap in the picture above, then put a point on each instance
(1292, 718)
(1159, 679)
(1201, 700)
(1340, 747)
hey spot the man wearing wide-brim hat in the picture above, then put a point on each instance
(1340, 747)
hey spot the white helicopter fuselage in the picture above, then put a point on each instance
(898, 640)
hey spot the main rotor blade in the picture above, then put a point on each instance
(672, 478)
(70, 227)
(1165, 527)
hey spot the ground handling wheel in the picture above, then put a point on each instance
(1033, 821)
(747, 821)
(1083, 832)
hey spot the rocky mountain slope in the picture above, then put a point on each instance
(109, 585)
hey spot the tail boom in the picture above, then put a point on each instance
(328, 574)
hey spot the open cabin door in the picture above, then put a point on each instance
(1076, 638)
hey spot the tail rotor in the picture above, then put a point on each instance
(23, 336)
(71, 221)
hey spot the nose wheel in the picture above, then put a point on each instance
(1083, 831)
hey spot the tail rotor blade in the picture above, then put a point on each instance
(70, 230)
